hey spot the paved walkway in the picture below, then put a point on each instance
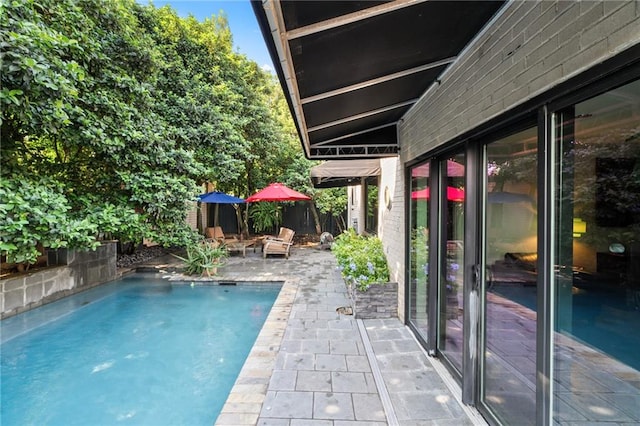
(313, 366)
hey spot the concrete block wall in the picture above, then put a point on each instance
(527, 49)
(77, 271)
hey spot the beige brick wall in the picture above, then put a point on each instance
(530, 47)
(391, 227)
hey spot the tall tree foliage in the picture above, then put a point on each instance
(124, 110)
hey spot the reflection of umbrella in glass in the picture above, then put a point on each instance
(277, 192)
(217, 197)
(453, 194)
(453, 170)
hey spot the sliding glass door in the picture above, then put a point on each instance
(417, 300)
(451, 244)
(596, 336)
(508, 387)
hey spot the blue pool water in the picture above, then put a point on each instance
(136, 352)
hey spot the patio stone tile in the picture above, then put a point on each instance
(289, 405)
(402, 362)
(358, 423)
(358, 363)
(331, 363)
(302, 334)
(344, 324)
(242, 407)
(386, 334)
(273, 422)
(382, 347)
(317, 346)
(319, 381)
(236, 419)
(344, 347)
(368, 407)
(330, 405)
(353, 382)
(282, 380)
(339, 334)
(414, 406)
(304, 314)
(296, 422)
(408, 381)
(299, 361)
(329, 314)
(316, 324)
(291, 346)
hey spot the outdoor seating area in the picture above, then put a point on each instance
(241, 246)
(216, 233)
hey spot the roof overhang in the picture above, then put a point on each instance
(335, 173)
(351, 69)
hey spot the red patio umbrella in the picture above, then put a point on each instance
(277, 192)
(453, 194)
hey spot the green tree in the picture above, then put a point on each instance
(131, 109)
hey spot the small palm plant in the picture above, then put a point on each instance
(204, 258)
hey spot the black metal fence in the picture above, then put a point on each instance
(298, 217)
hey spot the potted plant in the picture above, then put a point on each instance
(363, 265)
(204, 258)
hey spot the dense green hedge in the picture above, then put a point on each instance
(113, 115)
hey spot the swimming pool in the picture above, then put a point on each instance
(138, 351)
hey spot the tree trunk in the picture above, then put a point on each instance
(316, 218)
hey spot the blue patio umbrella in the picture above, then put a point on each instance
(217, 197)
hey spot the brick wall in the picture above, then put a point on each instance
(391, 227)
(527, 49)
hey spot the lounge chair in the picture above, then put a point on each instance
(215, 233)
(280, 244)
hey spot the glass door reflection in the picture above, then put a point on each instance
(510, 259)
(450, 333)
(419, 250)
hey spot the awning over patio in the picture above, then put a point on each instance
(336, 173)
(351, 69)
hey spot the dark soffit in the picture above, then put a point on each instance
(351, 69)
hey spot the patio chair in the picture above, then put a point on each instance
(278, 245)
(281, 235)
(285, 234)
(215, 233)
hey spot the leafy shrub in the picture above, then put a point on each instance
(361, 259)
(37, 213)
(266, 216)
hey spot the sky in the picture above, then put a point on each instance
(247, 38)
